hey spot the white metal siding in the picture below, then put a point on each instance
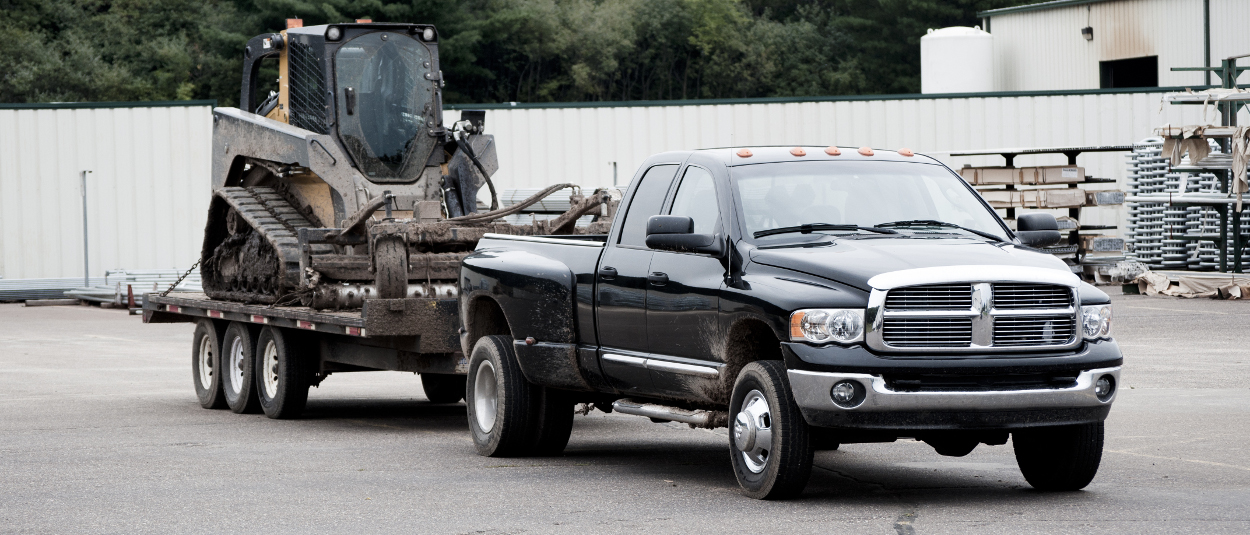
(539, 147)
(147, 194)
(1044, 49)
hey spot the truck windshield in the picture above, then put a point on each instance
(898, 195)
(384, 103)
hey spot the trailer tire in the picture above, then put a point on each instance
(281, 375)
(206, 364)
(1061, 458)
(554, 422)
(769, 441)
(239, 384)
(500, 402)
(443, 387)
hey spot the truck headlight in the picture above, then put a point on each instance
(821, 325)
(1096, 321)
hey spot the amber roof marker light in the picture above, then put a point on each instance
(865, 151)
(833, 151)
(798, 151)
(744, 153)
(906, 152)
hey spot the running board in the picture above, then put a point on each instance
(696, 418)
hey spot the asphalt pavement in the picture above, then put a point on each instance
(100, 432)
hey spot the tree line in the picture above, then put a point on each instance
(491, 50)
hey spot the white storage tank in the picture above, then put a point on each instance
(957, 60)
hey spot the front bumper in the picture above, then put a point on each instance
(883, 408)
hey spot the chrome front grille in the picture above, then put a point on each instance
(933, 297)
(1034, 330)
(1031, 296)
(928, 332)
(973, 317)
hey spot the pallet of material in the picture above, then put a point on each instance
(1037, 198)
(1102, 244)
(1104, 198)
(1026, 176)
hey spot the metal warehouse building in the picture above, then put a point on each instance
(1093, 44)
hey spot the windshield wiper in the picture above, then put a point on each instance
(812, 227)
(935, 223)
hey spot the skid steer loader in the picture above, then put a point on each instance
(344, 185)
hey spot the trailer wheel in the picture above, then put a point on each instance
(282, 380)
(391, 259)
(443, 387)
(1062, 458)
(206, 364)
(239, 385)
(500, 401)
(769, 442)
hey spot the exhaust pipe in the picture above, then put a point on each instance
(695, 418)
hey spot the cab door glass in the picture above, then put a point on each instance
(385, 104)
(647, 201)
(696, 199)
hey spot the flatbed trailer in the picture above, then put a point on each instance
(276, 352)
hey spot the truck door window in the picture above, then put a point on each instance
(696, 199)
(647, 201)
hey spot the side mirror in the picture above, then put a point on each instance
(1038, 230)
(676, 233)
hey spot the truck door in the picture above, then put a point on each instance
(683, 293)
(621, 286)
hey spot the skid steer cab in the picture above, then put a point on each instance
(373, 86)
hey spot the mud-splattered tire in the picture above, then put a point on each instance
(391, 276)
(281, 374)
(501, 404)
(1063, 458)
(206, 364)
(238, 382)
(769, 442)
(442, 387)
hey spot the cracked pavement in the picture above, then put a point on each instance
(100, 432)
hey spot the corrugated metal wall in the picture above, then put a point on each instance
(1044, 50)
(149, 190)
(147, 194)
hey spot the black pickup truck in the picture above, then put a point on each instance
(804, 298)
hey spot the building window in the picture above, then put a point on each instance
(1132, 72)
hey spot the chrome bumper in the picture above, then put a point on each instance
(811, 393)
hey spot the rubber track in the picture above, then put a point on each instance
(270, 214)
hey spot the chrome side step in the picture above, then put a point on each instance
(696, 418)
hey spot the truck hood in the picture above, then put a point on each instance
(853, 261)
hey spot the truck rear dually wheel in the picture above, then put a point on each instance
(443, 387)
(508, 416)
(1062, 458)
(282, 382)
(769, 442)
(206, 364)
(238, 381)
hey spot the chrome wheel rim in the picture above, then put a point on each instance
(205, 364)
(485, 396)
(753, 431)
(236, 365)
(270, 368)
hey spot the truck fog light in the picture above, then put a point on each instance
(1104, 387)
(847, 394)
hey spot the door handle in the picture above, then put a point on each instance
(607, 272)
(349, 97)
(657, 278)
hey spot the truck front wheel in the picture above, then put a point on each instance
(238, 381)
(1062, 458)
(769, 442)
(282, 380)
